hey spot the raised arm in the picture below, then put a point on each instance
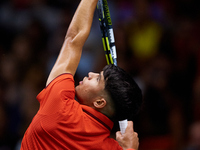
(77, 34)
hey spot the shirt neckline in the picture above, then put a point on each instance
(98, 116)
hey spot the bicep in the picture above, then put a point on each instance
(68, 59)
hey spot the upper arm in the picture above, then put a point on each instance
(68, 59)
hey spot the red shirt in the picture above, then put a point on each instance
(62, 123)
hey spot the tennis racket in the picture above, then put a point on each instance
(108, 41)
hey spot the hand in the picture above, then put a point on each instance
(129, 139)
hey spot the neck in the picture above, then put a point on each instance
(108, 110)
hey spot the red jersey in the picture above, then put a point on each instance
(62, 123)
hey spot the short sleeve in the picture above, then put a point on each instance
(60, 89)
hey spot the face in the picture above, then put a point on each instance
(91, 88)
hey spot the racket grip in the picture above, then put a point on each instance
(122, 125)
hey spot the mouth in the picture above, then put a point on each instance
(81, 82)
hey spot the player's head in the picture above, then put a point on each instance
(112, 92)
(124, 92)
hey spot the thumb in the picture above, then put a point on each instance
(130, 126)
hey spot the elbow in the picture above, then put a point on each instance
(74, 36)
(71, 34)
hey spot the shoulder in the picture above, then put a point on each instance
(61, 77)
(59, 87)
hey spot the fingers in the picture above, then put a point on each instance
(118, 135)
(136, 134)
(130, 123)
(129, 139)
(130, 126)
(129, 130)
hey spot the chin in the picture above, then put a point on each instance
(80, 102)
(77, 98)
(76, 90)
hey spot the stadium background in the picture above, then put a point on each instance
(158, 43)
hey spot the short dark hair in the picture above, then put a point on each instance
(124, 91)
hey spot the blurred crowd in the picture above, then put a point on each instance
(158, 43)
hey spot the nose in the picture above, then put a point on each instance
(91, 75)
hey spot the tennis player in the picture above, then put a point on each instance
(63, 123)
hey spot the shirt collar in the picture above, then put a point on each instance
(98, 116)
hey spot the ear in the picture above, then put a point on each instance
(99, 103)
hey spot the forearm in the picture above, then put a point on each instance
(81, 23)
(77, 34)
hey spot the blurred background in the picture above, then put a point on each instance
(158, 43)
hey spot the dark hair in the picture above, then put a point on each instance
(124, 92)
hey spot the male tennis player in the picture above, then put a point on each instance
(62, 122)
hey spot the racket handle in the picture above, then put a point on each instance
(122, 125)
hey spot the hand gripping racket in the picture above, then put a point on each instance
(108, 41)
